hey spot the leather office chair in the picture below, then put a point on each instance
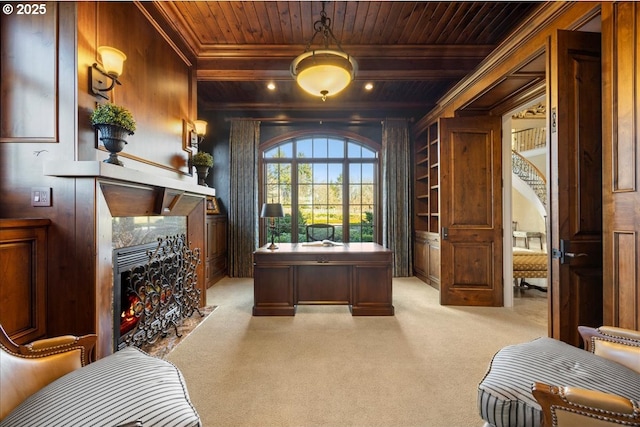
(318, 232)
(546, 382)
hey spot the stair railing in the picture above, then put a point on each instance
(528, 139)
(530, 174)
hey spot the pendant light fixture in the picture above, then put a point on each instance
(324, 72)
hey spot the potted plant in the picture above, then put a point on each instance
(115, 123)
(202, 161)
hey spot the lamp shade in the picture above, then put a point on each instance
(112, 60)
(201, 127)
(324, 72)
(272, 210)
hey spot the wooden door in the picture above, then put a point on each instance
(576, 185)
(471, 211)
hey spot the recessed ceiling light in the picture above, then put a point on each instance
(368, 86)
(271, 86)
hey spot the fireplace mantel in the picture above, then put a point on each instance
(105, 171)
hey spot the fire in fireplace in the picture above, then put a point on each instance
(154, 289)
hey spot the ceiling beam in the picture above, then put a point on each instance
(270, 51)
(314, 106)
(284, 74)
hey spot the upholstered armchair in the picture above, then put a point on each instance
(548, 383)
(51, 382)
(569, 406)
(25, 369)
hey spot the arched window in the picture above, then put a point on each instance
(323, 180)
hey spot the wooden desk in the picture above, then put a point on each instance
(355, 274)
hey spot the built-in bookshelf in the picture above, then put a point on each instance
(434, 178)
(427, 182)
(427, 206)
(422, 186)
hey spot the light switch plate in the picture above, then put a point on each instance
(40, 196)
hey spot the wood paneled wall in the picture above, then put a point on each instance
(39, 83)
(158, 86)
(621, 196)
(45, 107)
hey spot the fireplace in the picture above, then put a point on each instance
(110, 192)
(155, 287)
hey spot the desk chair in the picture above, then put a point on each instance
(318, 232)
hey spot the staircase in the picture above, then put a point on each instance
(524, 140)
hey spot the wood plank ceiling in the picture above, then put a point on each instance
(411, 52)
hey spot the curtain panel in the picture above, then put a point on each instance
(396, 194)
(244, 138)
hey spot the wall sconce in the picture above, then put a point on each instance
(104, 76)
(201, 130)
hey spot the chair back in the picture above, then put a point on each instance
(565, 406)
(25, 369)
(318, 232)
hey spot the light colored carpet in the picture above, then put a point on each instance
(324, 367)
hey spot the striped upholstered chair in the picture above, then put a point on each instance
(49, 383)
(600, 386)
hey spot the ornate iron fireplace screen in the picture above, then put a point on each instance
(160, 290)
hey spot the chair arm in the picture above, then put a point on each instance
(577, 407)
(53, 345)
(611, 333)
(51, 342)
(57, 344)
(627, 334)
(616, 344)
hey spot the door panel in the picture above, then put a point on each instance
(471, 211)
(576, 185)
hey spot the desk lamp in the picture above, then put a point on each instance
(272, 211)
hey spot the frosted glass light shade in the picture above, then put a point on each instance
(201, 127)
(324, 72)
(112, 60)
